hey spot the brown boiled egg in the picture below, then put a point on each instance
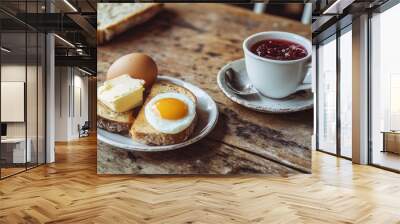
(136, 65)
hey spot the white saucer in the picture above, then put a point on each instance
(299, 101)
(206, 110)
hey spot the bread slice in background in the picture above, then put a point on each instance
(115, 18)
(114, 121)
(143, 132)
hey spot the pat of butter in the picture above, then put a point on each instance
(122, 93)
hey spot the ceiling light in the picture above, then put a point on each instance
(84, 71)
(80, 51)
(70, 5)
(5, 49)
(65, 41)
(338, 6)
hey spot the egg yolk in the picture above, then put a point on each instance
(171, 108)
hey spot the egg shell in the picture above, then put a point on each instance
(137, 65)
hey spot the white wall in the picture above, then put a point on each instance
(61, 103)
(12, 73)
(80, 110)
(71, 93)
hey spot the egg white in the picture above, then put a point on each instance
(165, 125)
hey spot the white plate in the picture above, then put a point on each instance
(296, 102)
(206, 109)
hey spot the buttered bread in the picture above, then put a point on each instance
(167, 117)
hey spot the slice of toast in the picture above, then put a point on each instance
(115, 18)
(143, 132)
(114, 121)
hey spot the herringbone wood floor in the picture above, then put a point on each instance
(69, 191)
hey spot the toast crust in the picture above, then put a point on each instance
(113, 126)
(114, 121)
(144, 133)
(117, 27)
(163, 138)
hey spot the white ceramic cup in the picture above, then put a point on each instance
(277, 78)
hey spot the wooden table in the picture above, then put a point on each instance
(192, 42)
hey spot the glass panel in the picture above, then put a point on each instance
(41, 99)
(385, 89)
(327, 97)
(13, 85)
(22, 89)
(31, 99)
(32, 90)
(346, 94)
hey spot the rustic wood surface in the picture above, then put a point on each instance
(192, 42)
